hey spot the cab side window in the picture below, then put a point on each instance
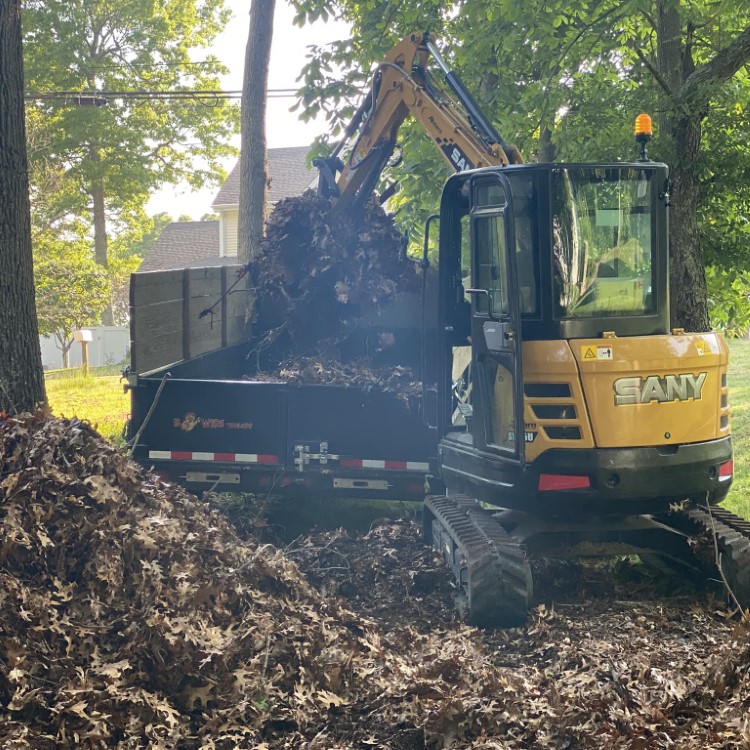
(492, 272)
(489, 239)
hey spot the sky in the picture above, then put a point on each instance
(288, 51)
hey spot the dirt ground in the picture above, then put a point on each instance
(133, 616)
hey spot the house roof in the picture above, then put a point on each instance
(191, 244)
(288, 172)
(183, 244)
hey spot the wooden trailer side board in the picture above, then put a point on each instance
(166, 325)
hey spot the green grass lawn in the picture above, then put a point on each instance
(738, 500)
(101, 401)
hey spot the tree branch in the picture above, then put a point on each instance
(654, 72)
(697, 88)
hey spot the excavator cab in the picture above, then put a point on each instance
(539, 253)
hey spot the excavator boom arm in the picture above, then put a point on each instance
(403, 87)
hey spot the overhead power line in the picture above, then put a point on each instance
(150, 65)
(100, 98)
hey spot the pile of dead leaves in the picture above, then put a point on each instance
(400, 381)
(320, 273)
(387, 575)
(632, 669)
(133, 617)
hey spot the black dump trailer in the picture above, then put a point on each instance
(200, 416)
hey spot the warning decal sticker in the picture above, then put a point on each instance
(591, 353)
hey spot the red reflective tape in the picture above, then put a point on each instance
(401, 465)
(224, 456)
(562, 482)
(182, 456)
(727, 469)
(379, 463)
(267, 459)
(351, 463)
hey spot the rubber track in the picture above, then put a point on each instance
(733, 540)
(490, 566)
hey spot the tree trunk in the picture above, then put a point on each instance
(21, 378)
(546, 151)
(687, 276)
(681, 138)
(63, 343)
(100, 226)
(253, 166)
(686, 101)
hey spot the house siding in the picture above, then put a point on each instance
(230, 221)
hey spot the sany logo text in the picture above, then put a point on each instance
(660, 389)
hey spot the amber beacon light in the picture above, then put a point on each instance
(643, 133)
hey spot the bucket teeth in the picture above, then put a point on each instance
(490, 567)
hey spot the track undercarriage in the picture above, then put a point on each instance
(490, 551)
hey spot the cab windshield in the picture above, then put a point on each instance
(602, 241)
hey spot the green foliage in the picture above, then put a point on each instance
(96, 45)
(142, 236)
(725, 170)
(71, 288)
(562, 80)
(729, 300)
(421, 169)
(126, 252)
(738, 500)
(131, 145)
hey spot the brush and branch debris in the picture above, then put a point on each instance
(322, 281)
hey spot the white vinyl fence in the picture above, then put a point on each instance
(110, 346)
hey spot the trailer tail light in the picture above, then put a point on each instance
(726, 470)
(562, 482)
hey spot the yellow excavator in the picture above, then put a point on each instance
(570, 419)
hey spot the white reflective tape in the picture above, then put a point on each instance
(417, 466)
(247, 458)
(160, 454)
(372, 464)
(203, 457)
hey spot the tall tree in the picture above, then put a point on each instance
(21, 381)
(253, 162)
(153, 128)
(564, 80)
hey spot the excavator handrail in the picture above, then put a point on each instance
(402, 86)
